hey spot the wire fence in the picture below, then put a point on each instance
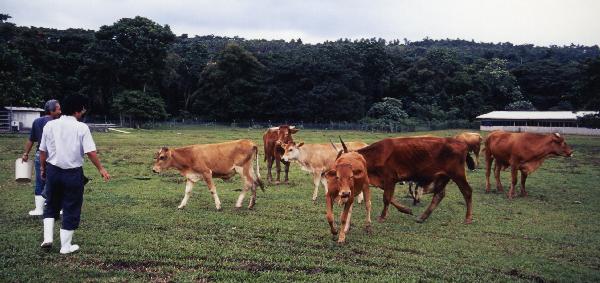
(253, 124)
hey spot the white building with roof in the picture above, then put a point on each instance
(21, 116)
(564, 122)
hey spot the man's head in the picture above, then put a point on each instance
(74, 105)
(52, 108)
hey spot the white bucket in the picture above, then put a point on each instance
(23, 170)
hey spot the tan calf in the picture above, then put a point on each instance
(316, 159)
(347, 179)
(220, 160)
(473, 141)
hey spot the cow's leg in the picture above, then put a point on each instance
(248, 184)
(523, 179)
(188, 192)
(497, 170)
(439, 193)
(278, 169)
(388, 197)
(329, 215)
(360, 197)
(513, 182)
(476, 152)
(467, 193)
(213, 189)
(269, 166)
(488, 167)
(324, 182)
(287, 170)
(316, 181)
(367, 194)
(345, 221)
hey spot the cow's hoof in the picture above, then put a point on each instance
(219, 209)
(524, 195)
(380, 219)
(468, 221)
(277, 183)
(180, 207)
(250, 207)
(420, 220)
(487, 191)
(341, 243)
(237, 208)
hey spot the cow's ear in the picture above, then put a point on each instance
(300, 144)
(165, 149)
(294, 130)
(358, 173)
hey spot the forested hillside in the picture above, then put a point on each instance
(139, 68)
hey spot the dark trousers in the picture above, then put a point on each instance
(64, 189)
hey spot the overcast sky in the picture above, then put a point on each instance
(540, 22)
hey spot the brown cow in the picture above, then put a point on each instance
(316, 159)
(219, 160)
(346, 180)
(273, 140)
(428, 161)
(521, 151)
(473, 141)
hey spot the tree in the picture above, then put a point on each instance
(231, 87)
(386, 114)
(138, 106)
(521, 105)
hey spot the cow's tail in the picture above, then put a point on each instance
(258, 181)
(470, 161)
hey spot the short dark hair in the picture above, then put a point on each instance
(73, 103)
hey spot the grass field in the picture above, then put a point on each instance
(132, 231)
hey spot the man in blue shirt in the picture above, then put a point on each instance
(64, 142)
(52, 109)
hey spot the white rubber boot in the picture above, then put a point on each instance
(48, 233)
(39, 206)
(65, 242)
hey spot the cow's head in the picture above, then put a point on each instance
(162, 160)
(284, 135)
(292, 151)
(559, 146)
(342, 177)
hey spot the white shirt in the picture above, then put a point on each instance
(66, 140)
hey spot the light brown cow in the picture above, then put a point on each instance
(273, 141)
(521, 151)
(346, 180)
(473, 141)
(316, 159)
(219, 160)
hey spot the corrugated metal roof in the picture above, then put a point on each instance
(32, 109)
(535, 115)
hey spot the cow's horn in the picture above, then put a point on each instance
(557, 135)
(343, 145)
(334, 147)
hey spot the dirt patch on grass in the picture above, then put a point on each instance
(520, 274)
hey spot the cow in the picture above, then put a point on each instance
(208, 161)
(316, 159)
(473, 141)
(523, 152)
(431, 162)
(346, 180)
(273, 140)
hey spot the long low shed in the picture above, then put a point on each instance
(564, 122)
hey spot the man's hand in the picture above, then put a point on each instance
(25, 157)
(104, 174)
(43, 173)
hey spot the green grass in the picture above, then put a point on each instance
(132, 231)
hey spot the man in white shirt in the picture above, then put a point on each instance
(64, 142)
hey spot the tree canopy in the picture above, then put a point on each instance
(136, 60)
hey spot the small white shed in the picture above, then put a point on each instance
(24, 116)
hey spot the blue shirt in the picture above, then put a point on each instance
(37, 128)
